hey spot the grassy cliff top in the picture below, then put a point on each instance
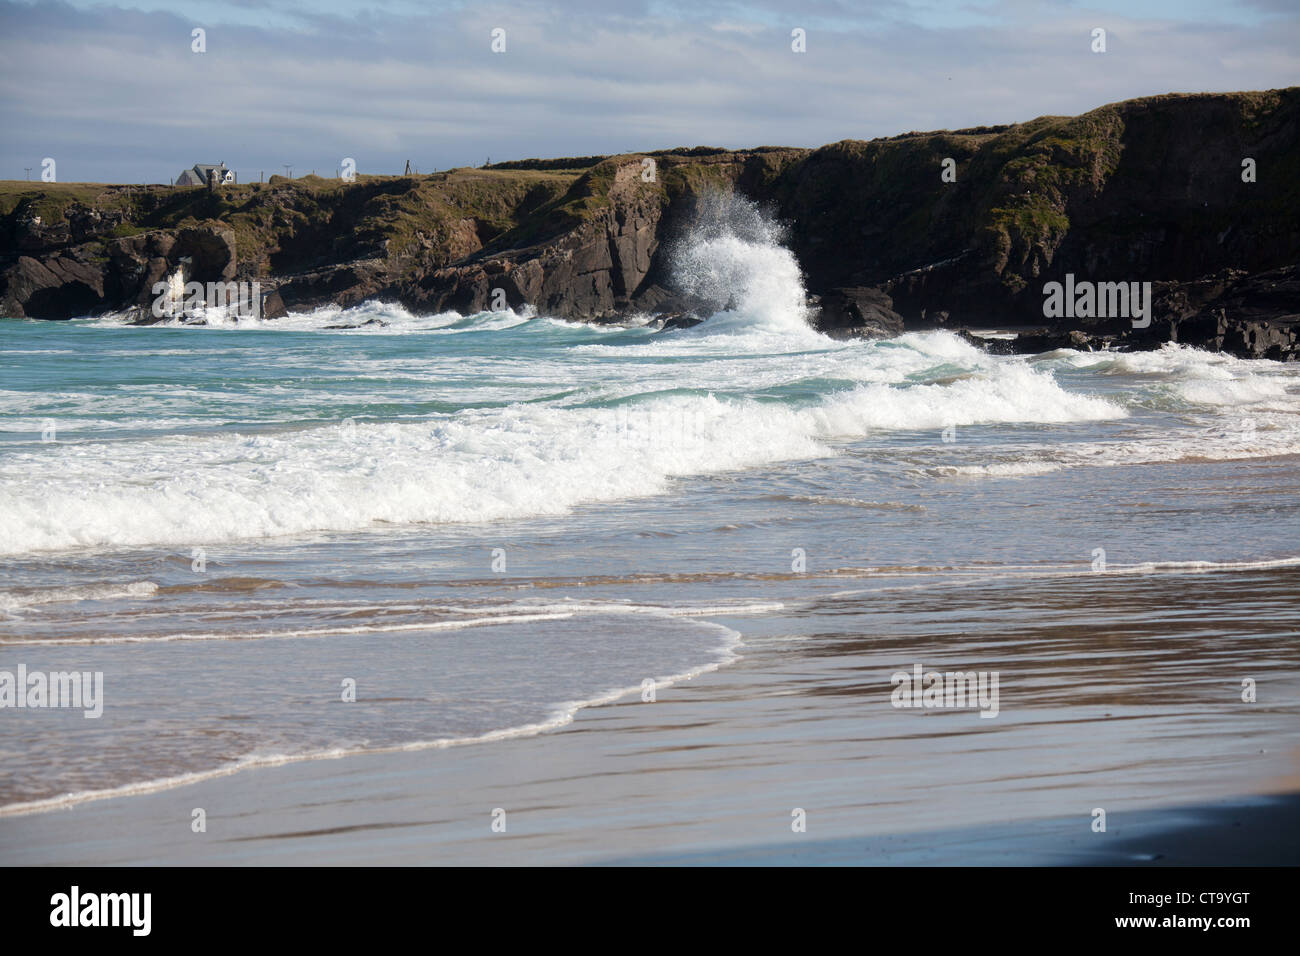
(1019, 190)
(280, 225)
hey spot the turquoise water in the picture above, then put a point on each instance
(487, 521)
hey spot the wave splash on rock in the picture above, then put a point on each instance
(733, 260)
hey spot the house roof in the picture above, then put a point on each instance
(198, 175)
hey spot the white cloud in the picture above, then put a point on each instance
(116, 94)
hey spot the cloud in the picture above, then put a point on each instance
(115, 93)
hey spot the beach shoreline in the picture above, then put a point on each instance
(709, 773)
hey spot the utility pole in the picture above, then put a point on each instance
(27, 173)
(288, 170)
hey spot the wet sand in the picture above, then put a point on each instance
(1116, 692)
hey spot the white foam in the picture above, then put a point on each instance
(479, 465)
(1171, 359)
(1012, 392)
(368, 318)
(1006, 469)
(1249, 390)
(329, 631)
(1260, 435)
(32, 597)
(1200, 567)
(945, 578)
(1197, 377)
(950, 348)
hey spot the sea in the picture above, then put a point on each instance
(358, 530)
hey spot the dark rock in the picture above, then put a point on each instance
(85, 222)
(1049, 340)
(83, 280)
(680, 321)
(858, 312)
(59, 287)
(369, 323)
(994, 346)
(273, 306)
(592, 272)
(1250, 316)
(211, 250)
(345, 285)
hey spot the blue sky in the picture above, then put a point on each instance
(113, 91)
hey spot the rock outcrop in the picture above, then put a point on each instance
(1195, 194)
(857, 313)
(69, 279)
(593, 271)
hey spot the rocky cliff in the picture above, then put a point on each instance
(1197, 194)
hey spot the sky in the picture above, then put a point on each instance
(115, 92)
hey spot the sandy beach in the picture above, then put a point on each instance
(712, 770)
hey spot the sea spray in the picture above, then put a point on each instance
(733, 260)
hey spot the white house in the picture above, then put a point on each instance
(198, 176)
